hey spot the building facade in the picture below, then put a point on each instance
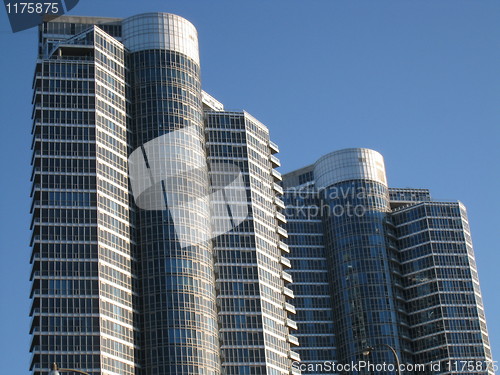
(164, 240)
(379, 267)
(157, 233)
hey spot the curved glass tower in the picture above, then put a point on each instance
(353, 187)
(179, 321)
(376, 269)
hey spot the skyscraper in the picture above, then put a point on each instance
(161, 243)
(185, 276)
(380, 267)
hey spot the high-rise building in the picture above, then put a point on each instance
(161, 243)
(157, 237)
(382, 268)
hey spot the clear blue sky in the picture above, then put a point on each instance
(416, 80)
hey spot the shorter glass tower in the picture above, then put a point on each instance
(363, 268)
(375, 266)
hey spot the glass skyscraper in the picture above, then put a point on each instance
(164, 240)
(182, 271)
(379, 267)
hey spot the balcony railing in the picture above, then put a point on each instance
(281, 217)
(274, 147)
(284, 247)
(291, 323)
(276, 175)
(293, 340)
(279, 202)
(290, 308)
(276, 162)
(286, 262)
(282, 232)
(278, 188)
(287, 277)
(288, 292)
(294, 355)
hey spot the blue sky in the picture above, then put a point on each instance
(416, 80)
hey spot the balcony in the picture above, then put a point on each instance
(278, 202)
(294, 355)
(291, 323)
(274, 147)
(288, 292)
(284, 247)
(282, 232)
(293, 340)
(281, 217)
(277, 175)
(286, 276)
(290, 308)
(286, 262)
(278, 188)
(275, 161)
